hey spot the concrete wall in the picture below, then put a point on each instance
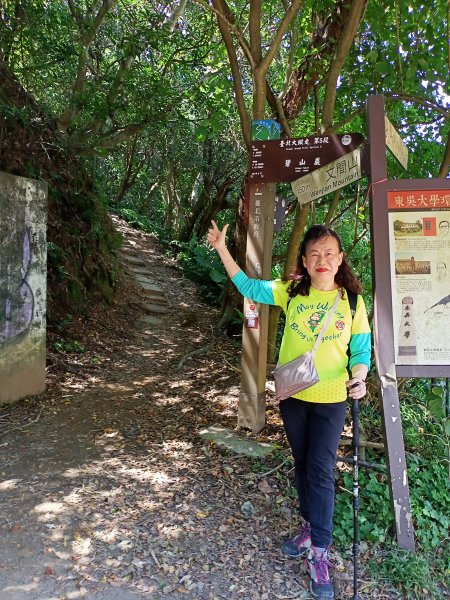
(23, 286)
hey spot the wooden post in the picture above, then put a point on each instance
(383, 327)
(252, 397)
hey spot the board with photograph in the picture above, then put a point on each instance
(419, 239)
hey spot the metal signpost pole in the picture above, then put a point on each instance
(383, 327)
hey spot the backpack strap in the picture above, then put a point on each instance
(352, 300)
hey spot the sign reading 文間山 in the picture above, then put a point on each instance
(288, 159)
(329, 178)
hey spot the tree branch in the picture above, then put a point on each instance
(311, 68)
(86, 38)
(346, 38)
(445, 165)
(177, 14)
(276, 41)
(254, 22)
(220, 6)
(422, 101)
(227, 17)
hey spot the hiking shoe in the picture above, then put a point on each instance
(298, 545)
(317, 565)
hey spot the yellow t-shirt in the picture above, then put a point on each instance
(303, 323)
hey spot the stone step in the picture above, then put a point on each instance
(128, 250)
(151, 285)
(161, 300)
(155, 308)
(134, 261)
(152, 290)
(150, 321)
(235, 443)
(142, 271)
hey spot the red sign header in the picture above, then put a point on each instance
(419, 200)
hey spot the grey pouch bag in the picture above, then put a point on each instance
(301, 373)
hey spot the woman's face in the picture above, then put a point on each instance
(322, 261)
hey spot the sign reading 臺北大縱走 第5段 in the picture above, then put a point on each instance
(419, 242)
(330, 178)
(288, 159)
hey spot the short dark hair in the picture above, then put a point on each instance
(444, 222)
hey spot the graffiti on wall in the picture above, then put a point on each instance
(16, 295)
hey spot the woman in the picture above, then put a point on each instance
(314, 419)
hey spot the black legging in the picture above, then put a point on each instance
(313, 431)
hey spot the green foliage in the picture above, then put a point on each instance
(416, 576)
(375, 516)
(429, 502)
(202, 265)
(436, 405)
(68, 346)
(135, 219)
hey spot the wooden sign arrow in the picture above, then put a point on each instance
(333, 176)
(274, 161)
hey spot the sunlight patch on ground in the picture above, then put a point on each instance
(116, 387)
(74, 497)
(9, 484)
(82, 546)
(148, 505)
(171, 532)
(144, 381)
(49, 509)
(108, 537)
(176, 445)
(28, 587)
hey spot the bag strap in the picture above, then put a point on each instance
(326, 323)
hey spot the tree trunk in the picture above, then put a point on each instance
(237, 246)
(301, 219)
(168, 221)
(218, 204)
(202, 202)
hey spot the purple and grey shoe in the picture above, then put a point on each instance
(317, 564)
(299, 545)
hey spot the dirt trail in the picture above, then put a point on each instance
(107, 490)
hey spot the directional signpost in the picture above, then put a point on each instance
(275, 161)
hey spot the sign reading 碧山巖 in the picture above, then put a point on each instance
(288, 159)
(419, 239)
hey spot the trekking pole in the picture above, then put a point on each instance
(355, 446)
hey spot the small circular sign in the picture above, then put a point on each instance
(252, 307)
(346, 139)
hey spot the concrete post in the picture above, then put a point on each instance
(23, 286)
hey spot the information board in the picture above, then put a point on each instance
(419, 239)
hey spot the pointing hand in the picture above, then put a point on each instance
(216, 237)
